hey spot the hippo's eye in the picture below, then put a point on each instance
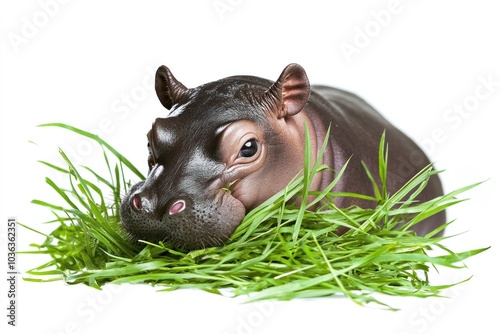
(249, 149)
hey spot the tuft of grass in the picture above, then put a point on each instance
(279, 251)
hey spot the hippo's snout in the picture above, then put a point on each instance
(140, 203)
(187, 221)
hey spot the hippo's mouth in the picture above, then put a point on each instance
(190, 222)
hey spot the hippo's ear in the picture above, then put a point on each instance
(169, 90)
(290, 93)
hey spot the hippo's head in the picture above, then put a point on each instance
(222, 149)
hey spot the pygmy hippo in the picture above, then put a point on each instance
(247, 134)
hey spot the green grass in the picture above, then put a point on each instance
(279, 251)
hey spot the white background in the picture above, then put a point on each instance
(79, 61)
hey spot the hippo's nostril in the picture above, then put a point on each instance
(136, 203)
(177, 207)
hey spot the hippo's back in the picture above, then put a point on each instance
(355, 132)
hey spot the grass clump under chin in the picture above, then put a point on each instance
(279, 251)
